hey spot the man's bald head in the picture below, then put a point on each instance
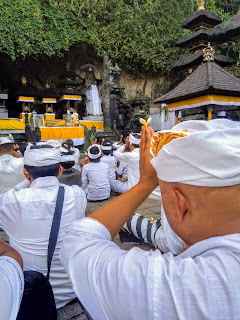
(197, 213)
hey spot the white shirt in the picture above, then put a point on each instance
(166, 239)
(121, 170)
(77, 156)
(201, 283)
(11, 171)
(112, 162)
(96, 180)
(26, 215)
(11, 288)
(131, 159)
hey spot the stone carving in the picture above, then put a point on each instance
(112, 92)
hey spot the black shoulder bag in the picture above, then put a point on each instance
(38, 300)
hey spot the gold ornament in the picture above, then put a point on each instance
(200, 4)
(208, 53)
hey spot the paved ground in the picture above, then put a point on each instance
(149, 208)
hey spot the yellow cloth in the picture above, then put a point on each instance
(89, 124)
(11, 124)
(61, 132)
(49, 116)
(196, 102)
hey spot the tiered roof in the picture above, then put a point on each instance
(199, 22)
(201, 18)
(208, 78)
(228, 30)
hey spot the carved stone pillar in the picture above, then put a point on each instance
(106, 89)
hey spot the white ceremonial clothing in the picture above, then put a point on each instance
(112, 162)
(166, 239)
(131, 159)
(96, 178)
(201, 283)
(158, 234)
(11, 171)
(11, 288)
(116, 185)
(121, 170)
(26, 215)
(77, 157)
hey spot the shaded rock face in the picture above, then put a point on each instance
(129, 90)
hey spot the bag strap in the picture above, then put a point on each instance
(55, 227)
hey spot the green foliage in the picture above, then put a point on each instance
(138, 34)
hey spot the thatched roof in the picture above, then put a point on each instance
(208, 78)
(201, 16)
(194, 37)
(194, 60)
(228, 30)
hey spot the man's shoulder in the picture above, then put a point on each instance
(74, 189)
(8, 159)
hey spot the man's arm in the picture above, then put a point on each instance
(7, 251)
(116, 212)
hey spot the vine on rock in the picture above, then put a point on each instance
(138, 34)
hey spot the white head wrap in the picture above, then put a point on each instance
(133, 140)
(54, 143)
(208, 156)
(67, 156)
(42, 157)
(106, 148)
(94, 156)
(222, 114)
(4, 140)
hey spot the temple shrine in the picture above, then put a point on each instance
(200, 23)
(209, 91)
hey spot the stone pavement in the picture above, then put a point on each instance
(149, 208)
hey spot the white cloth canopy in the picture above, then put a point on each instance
(93, 102)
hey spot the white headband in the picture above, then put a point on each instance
(65, 157)
(133, 140)
(42, 157)
(4, 140)
(107, 148)
(209, 156)
(94, 156)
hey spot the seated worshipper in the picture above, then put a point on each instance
(121, 169)
(70, 176)
(197, 166)
(96, 176)
(11, 282)
(11, 164)
(131, 159)
(68, 144)
(26, 214)
(108, 158)
(107, 155)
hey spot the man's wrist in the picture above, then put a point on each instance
(146, 187)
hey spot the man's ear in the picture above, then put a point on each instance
(180, 205)
(60, 171)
